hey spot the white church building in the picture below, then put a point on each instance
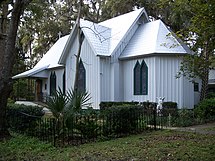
(126, 58)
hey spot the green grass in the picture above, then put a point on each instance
(209, 129)
(156, 145)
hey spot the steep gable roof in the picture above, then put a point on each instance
(151, 38)
(105, 37)
(49, 60)
(98, 37)
(120, 25)
(52, 57)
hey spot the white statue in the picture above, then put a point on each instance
(159, 105)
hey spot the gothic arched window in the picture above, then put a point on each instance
(144, 78)
(137, 79)
(81, 77)
(52, 83)
(140, 78)
(64, 82)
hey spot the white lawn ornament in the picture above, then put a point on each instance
(160, 104)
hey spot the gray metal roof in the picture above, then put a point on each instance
(153, 38)
(49, 60)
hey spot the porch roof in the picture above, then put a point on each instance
(31, 73)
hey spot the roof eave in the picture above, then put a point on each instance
(67, 46)
(151, 55)
(137, 18)
(22, 75)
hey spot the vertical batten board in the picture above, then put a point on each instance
(70, 65)
(128, 77)
(59, 79)
(45, 91)
(188, 94)
(127, 37)
(121, 82)
(176, 90)
(166, 82)
(105, 79)
(92, 65)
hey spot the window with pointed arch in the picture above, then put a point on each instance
(81, 77)
(64, 82)
(52, 83)
(140, 78)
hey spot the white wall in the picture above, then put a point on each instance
(212, 74)
(92, 66)
(105, 79)
(162, 81)
(128, 75)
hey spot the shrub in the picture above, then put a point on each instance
(87, 125)
(211, 95)
(205, 109)
(185, 118)
(22, 117)
(106, 105)
(121, 120)
(170, 108)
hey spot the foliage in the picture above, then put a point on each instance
(41, 24)
(106, 105)
(185, 118)
(22, 117)
(20, 89)
(199, 34)
(57, 103)
(211, 95)
(148, 105)
(169, 108)
(78, 100)
(205, 109)
(121, 119)
(155, 145)
(87, 125)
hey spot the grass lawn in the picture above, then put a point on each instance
(156, 145)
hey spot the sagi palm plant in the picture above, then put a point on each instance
(56, 104)
(65, 106)
(77, 100)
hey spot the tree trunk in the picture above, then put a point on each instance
(79, 48)
(204, 88)
(7, 55)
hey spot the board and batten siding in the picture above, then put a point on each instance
(105, 79)
(128, 78)
(174, 89)
(127, 37)
(162, 81)
(91, 65)
(59, 80)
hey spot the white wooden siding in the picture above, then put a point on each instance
(105, 79)
(162, 81)
(128, 78)
(59, 80)
(92, 66)
(124, 42)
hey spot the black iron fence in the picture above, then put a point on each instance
(87, 127)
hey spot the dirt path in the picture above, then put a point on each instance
(208, 128)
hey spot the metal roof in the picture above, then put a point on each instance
(105, 37)
(49, 60)
(31, 72)
(152, 38)
(98, 36)
(120, 25)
